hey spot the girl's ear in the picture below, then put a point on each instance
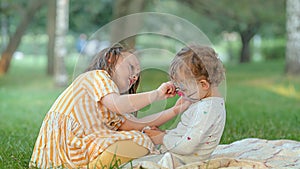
(204, 84)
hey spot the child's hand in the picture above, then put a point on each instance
(181, 105)
(156, 135)
(166, 90)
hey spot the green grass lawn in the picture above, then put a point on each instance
(261, 102)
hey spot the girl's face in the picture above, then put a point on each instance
(126, 72)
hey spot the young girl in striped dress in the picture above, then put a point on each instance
(90, 122)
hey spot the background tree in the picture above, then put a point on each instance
(51, 27)
(4, 23)
(89, 16)
(86, 16)
(60, 50)
(16, 38)
(244, 17)
(247, 18)
(293, 37)
(123, 8)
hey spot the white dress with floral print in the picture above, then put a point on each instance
(196, 136)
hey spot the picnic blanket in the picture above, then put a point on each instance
(250, 153)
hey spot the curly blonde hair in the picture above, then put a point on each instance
(199, 62)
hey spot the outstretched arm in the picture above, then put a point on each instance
(156, 119)
(132, 102)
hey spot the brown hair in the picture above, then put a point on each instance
(107, 59)
(199, 62)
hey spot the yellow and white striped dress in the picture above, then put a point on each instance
(77, 128)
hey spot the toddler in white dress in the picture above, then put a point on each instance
(196, 73)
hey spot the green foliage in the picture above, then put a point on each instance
(13, 10)
(247, 18)
(211, 16)
(273, 49)
(189, 13)
(84, 16)
(239, 16)
(88, 16)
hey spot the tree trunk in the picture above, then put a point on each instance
(60, 50)
(246, 36)
(293, 37)
(123, 8)
(4, 32)
(51, 25)
(4, 28)
(17, 36)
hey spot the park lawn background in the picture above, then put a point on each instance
(261, 102)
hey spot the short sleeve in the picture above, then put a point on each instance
(98, 83)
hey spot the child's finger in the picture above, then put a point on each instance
(149, 132)
(172, 89)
